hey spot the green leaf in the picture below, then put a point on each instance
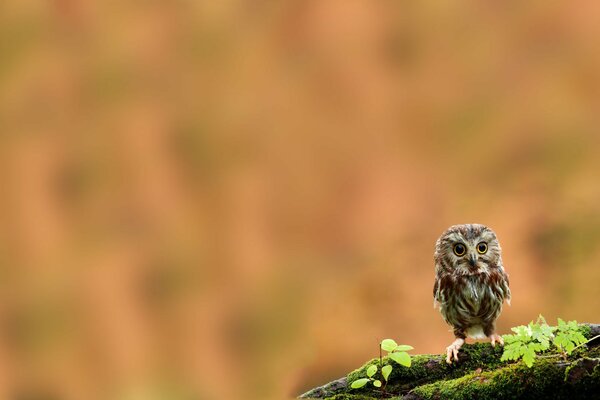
(372, 370)
(389, 345)
(535, 346)
(386, 371)
(573, 325)
(377, 383)
(404, 347)
(528, 357)
(530, 339)
(359, 383)
(548, 330)
(569, 336)
(517, 329)
(401, 358)
(511, 351)
(541, 320)
(522, 350)
(509, 338)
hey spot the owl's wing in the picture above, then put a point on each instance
(506, 288)
(500, 284)
(436, 292)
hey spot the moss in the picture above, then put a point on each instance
(594, 353)
(347, 396)
(509, 382)
(480, 374)
(586, 330)
(429, 368)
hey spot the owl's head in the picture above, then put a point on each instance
(468, 249)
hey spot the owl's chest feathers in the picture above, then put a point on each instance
(473, 294)
(474, 291)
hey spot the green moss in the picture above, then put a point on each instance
(593, 353)
(586, 330)
(480, 374)
(429, 368)
(347, 396)
(512, 381)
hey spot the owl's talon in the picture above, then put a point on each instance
(496, 338)
(452, 350)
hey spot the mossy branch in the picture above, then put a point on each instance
(480, 373)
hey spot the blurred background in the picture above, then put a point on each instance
(238, 199)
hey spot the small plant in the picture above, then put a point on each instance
(568, 337)
(527, 341)
(397, 352)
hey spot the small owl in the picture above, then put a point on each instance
(470, 283)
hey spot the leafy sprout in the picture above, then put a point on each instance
(396, 352)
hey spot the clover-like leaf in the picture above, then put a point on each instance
(372, 370)
(404, 347)
(389, 345)
(377, 383)
(359, 383)
(401, 358)
(386, 371)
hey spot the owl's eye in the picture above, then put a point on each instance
(459, 249)
(482, 248)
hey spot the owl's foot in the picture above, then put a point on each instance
(452, 350)
(496, 338)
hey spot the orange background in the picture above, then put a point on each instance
(239, 199)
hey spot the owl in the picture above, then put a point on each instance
(470, 283)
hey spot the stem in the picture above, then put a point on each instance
(380, 366)
(563, 353)
(550, 355)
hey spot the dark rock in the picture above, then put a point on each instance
(326, 390)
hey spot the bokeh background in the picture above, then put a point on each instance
(238, 199)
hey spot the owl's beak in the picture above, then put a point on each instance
(473, 260)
